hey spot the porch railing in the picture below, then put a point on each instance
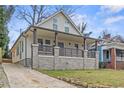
(71, 52)
(120, 58)
(45, 50)
(91, 54)
(120, 55)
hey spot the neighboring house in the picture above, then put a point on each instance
(55, 43)
(111, 54)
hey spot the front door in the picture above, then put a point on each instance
(61, 50)
(106, 55)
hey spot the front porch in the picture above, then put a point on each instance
(58, 50)
(115, 58)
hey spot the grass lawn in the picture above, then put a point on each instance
(89, 78)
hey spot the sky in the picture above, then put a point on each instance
(97, 17)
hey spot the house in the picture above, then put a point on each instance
(111, 54)
(55, 43)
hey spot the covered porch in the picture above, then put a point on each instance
(113, 55)
(56, 44)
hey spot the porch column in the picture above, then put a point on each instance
(97, 60)
(84, 43)
(85, 59)
(56, 57)
(96, 45)
(34, 36)
(34, 56)
(56, 38)
(113, 58)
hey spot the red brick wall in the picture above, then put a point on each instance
(112, 64)
(120, 65)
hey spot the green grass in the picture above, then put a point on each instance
(103, 77)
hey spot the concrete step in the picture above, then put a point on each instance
(4, 60)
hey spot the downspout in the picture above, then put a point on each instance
(25, 49)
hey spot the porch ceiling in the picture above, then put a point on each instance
(63, 36)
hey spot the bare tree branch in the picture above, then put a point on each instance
(32, 16)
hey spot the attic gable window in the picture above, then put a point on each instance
(55, 27)
(66, 29)
(54, 20)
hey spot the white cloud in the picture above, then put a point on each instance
(112, 9)
(107, 10)
(114, 19)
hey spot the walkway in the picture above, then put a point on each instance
(21, 77)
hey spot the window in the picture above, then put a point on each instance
(54, 27)
(22, 46)
(107, 54)
(54, 20)
(17, 50)
(40, 41)
(76, 45)
(66, 29)
(47, 42)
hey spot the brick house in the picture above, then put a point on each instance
(111, 54)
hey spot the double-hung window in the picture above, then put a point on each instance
(55, 26)
(66, 29)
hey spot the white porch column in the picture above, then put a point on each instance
(34, 56)
(85, 53)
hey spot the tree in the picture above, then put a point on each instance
(36, 13)
(82, 27)
(32, 14)
(105, 35)
(68, 9)
(118, 38)
(5, 16)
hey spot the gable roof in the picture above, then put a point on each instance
(68, 18)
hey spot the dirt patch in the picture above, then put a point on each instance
(79, 84)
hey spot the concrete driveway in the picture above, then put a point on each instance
(22, 77)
